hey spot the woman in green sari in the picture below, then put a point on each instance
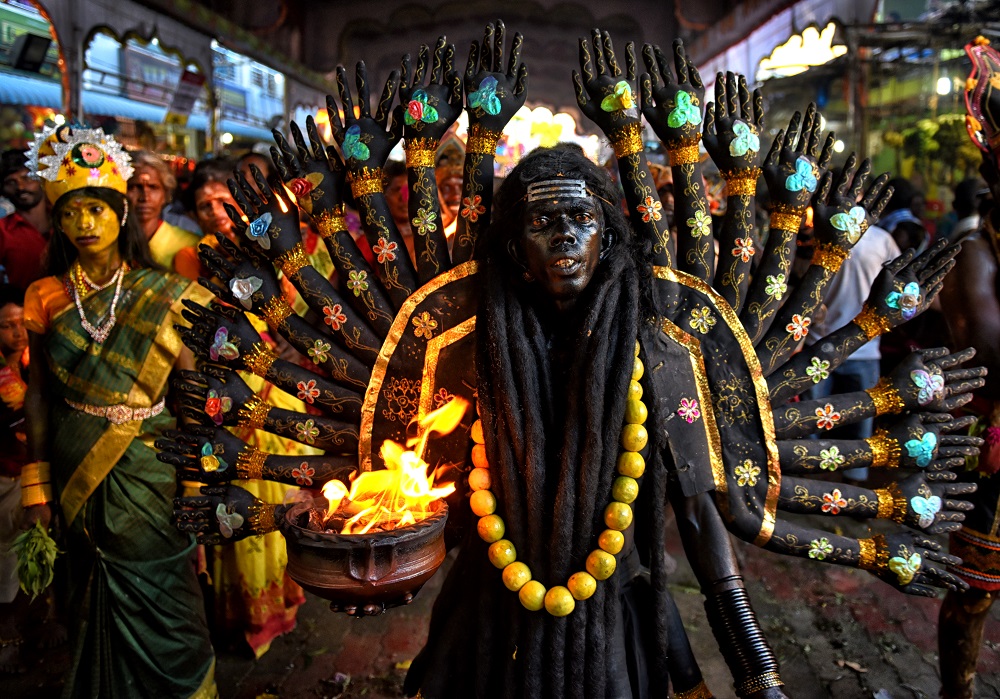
(102, 332)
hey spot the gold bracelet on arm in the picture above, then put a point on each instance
(871, 322)
(253, 413)
(627, 140)
(261, 518)
(482, 141)
(874, 553)
(329, 223)
(830, 257)
(275, 311)
(420, 152)
(250, 463)
(885, 450)
(741, 182)
(39, 494)
(684, 152)
(260, 359)
(293, 261)
(700, 691)
(759, 683)
(367, 181)
(886, 398)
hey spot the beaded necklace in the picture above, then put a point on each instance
(560, 600)
(79, 286)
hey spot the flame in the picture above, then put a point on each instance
(402, 492)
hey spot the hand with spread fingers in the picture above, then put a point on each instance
(432, 107)
(268, 223)
(922, 441)
(493, 96)
(212, 396)
(931, 505)
(202, 453)
(733, 124)
(225, 513)
(606, 95)
(841, 213)
(315, 174)
(672, 105)
(248, 281)
(928, 380)
(219, 334)
(795, 165)
(914, 564)
(364, 140)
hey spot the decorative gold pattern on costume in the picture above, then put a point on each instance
(253, 413)
(330, 222)
(261, 518)
(275, 311)
(293, 260)
(871, 322)
(420, 152)
(482, 140)
(830, 257)
(367, 181)
(121, 413)
(684, 152)
(786, 221)
(742, 182)
(885, 450)
(259, 359)
(434, 347)
(759, 683)
(886, 398)
(627, 140)
(701, 691)
(250, 463)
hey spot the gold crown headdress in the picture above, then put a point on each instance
(66, 158)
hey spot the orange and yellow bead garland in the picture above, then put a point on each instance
(561, 600)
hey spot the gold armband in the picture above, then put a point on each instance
(35, 473)
(867, 553)
(250, 463)
(872, 323)
(260, 359)
(759, 683)
(482, 140)
(330, 222)
(886, 398)
(261, 518)
(742, 182)
(830, 257)
(253, 413)
(420, 152)
(275, 311)
(39, 494)
(684, 152)
(293, 260)
(699, 692)
(885, 450)
(368, 181)
(786, 221)
(891, 504)
(627, 140)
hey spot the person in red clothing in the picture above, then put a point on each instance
(24, 234)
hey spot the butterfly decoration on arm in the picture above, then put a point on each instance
(926, 509)
(621, 99)
(922, 450)
(353, 146)
(850, 223)
(931, 386)
(804, 177)
(906, 302)
(222, 347)
(485, 97)
(418, 109)
(746, 140)
(229, 522)
(685, 112)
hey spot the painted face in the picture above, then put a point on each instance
(208, 208)
(147, 196)
(91, 225)
(24, 192)
(561, 245)
(13, 336)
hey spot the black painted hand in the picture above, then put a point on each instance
(917, 566)
(221, 514)
(928, 380)
(431, 108)
(672, 106)
(608, 97)
(923, 442)
(212, 396)
(268, 224)
(315, 174)
(365, 140)
(492, 96)
(201, 453)
(733, 124)
(795, 165)
(841, 214)
(218, 334)
(248, 281)
(930, 505)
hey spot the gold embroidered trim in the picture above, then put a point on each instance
(253, 413)
(293, 260)
(830, 257)
(759, 683)
(330, 222)
(872, 322)
(742, 182)
(261, 518)
(781, 220)
(874, 554)
(420, 152)
(684, 152)
(38, 494)
(866, 554)
(250, 463)
(366, 182)
(260, 359)
(482, 140)
(275, 311)
(627, 140)
(699, 692)
(885, 450)
(886, 503)
(886, 398)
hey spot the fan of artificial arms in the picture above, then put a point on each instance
(742, 325)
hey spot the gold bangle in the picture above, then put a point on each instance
(830, 257)
(482, 141)
(368, 181)
(627, 140)
(420, 152)
(259, 359)
(253, 413)
(275, 311)
(684, 152)
(742, 182)
(760, 682)
(874, 553)
(36, 472)
(293, 261)
(261, 518)
(885, 450)
(250, 463)
(330, 222)
(701, 691)
(886, 398)
(32, 495)
(781, 220)
(871, 322)
(866, 554)
(891, 504)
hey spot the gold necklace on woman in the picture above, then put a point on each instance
(81, 286)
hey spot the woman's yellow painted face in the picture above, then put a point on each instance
(90, 224)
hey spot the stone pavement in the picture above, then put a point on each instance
(837, 633)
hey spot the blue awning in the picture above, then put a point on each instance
(102, 104)
(20, 89)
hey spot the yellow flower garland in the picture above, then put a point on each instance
(560, 600)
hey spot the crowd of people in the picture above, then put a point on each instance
(102, 248)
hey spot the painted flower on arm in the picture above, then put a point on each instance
(776, 286)
(826, 417)
(307, 391)
(799, 327)
(385, 250)
(320, 351)
(425, 221)
(831, 459)
(307, 431)
(747, 474)
(357, 281)
(700, 224)
(820, 548)
(744, 249)
(303, 474)
(334, 317)
(818, 369)
(689, 410)
(650, 210)
(833, 502)
(472, 208)
(702, 319)
(424, 325)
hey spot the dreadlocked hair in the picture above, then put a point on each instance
(552, 432)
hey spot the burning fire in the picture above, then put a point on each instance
(401, 493)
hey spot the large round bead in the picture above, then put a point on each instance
(477, 432)
(618, 515)
(637, 369)
(634, 437)
(635, 412)
(634, 390)
(611, 541)
(502, 553)
(479, 456)
(483, 503)
(532, 595)
(515, 575)
(479, 479)
(631, 464)
(581, 585)
(624, 489)
(491, 528)
(601, 564)
(559, 601)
